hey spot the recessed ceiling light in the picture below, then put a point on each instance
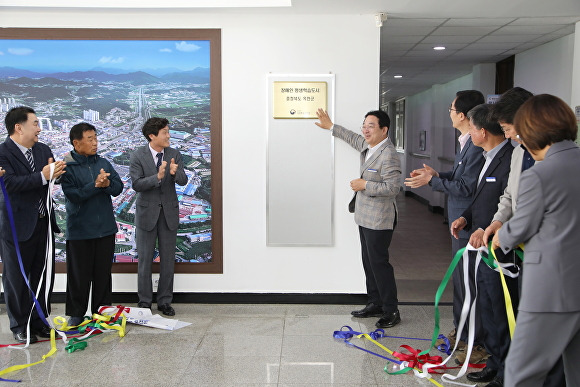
(398, 76)
(439, 48)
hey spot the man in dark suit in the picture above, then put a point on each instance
(492, 181)
(154, 170)
(27, 163)
(459, 184)
(375, 210)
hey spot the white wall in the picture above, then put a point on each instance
(552, 68)
(429, 111)
(547, 68)
(575, 99)
(254, 45)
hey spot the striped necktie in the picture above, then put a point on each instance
(41, 205)
(159, 159)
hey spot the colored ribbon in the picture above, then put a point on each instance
(23, 366)
(506, 294)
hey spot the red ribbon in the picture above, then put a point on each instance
(417, 361)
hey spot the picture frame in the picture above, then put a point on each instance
(197, 123)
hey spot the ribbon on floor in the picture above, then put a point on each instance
(19, 367)
(404, 362)
(99, 324)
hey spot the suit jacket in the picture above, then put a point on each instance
(25, 188)
(460, 183)
(547, 221)
(152, 194)
(375, 206)
(507, 202)
(490, 188)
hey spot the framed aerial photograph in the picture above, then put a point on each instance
(115, 79)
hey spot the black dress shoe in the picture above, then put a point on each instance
(371, 310)
(496, 382)
(389, 320)
(74, 321)
(483, 376)
(166, 309)
(42, 332)
(21, 337)
(142, 304)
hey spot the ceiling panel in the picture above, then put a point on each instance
(529, 29)
(469, 41)
(481, 22)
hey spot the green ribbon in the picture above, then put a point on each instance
(438, 295)
(488, 259)
(74, 345)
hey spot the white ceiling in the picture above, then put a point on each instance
(407, 47)
(473, 31)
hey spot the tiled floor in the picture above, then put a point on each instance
(261, 345)
(232, 345)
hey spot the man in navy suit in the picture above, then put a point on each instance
(27, 164)
(492, 181)
(459, 184)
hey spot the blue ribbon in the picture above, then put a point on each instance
(17, 248)
(347, 335)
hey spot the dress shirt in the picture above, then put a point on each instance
(489, 158)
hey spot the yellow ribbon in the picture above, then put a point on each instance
(508, 300)
(417, 370)
(23, 366)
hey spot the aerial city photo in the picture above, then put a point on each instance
(116, 86)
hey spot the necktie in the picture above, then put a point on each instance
(159, 159)
(30, 159)
(41, 206)
(528, 161)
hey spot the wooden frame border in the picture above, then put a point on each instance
(214, 37)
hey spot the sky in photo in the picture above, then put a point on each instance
(129, 55)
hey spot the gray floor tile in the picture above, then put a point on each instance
(263, 345)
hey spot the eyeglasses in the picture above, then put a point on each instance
(450, 109)
(368, 127)
(505, 129)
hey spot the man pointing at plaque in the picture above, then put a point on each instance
(375, 211)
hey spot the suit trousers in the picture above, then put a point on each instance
(555, 377)
(16, 293)
(491, 304)
(459, 291)
(539, 340)
(379, 273)
(88, 262)
(145, 248)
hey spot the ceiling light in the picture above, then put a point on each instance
(439, 48)
(398, 76)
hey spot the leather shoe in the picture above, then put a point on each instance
(42, 332)
(485, 375)
(371, 310)
(389, 320)
(142, 304)
(496, 382)
(75, 321)
(21, 337)
(166, 309)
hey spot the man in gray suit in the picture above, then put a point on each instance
(155, 169)
(375, 210)
(547, 221)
